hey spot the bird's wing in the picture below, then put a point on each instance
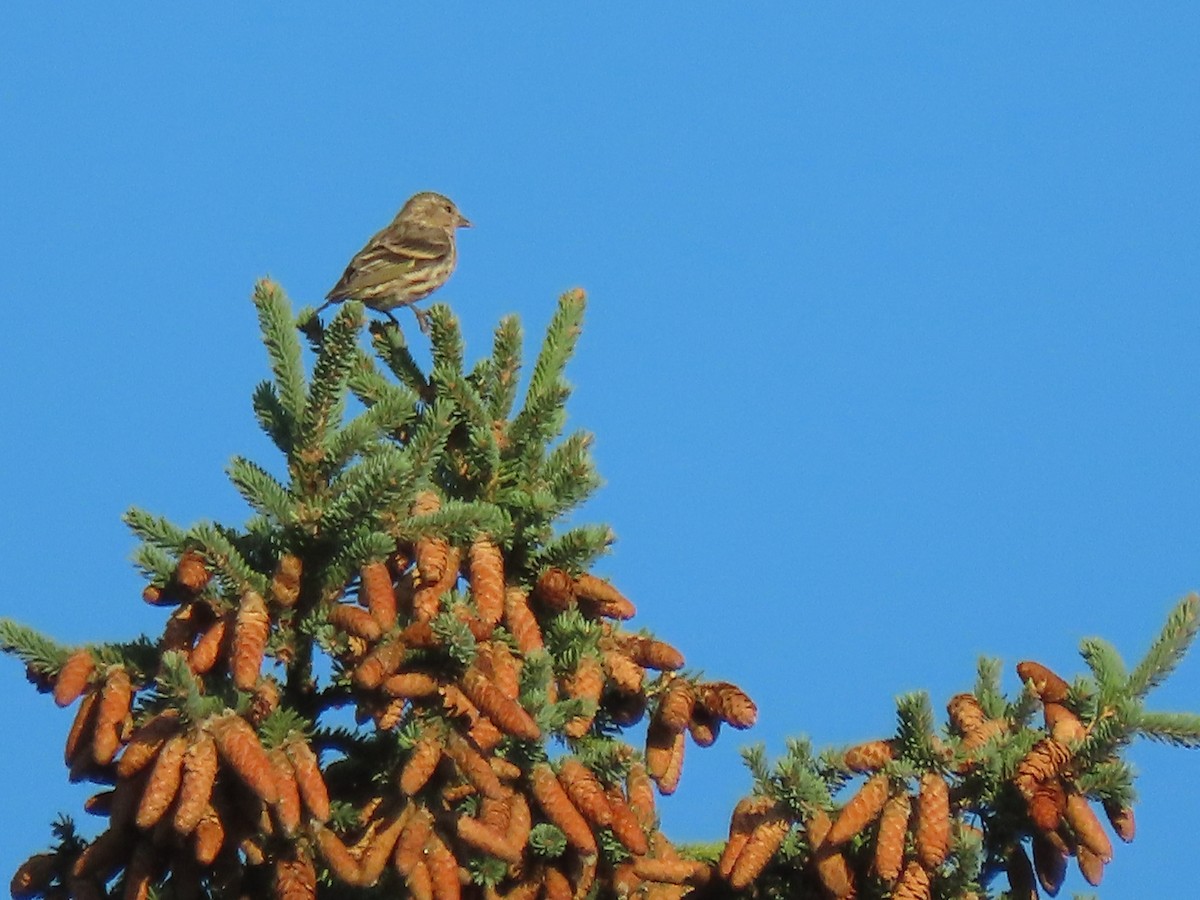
(415, 242)
(390, 249)
(363, 276)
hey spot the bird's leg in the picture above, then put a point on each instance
(422, 319)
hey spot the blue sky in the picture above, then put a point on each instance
(890, 351)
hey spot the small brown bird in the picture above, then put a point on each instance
(407, 261)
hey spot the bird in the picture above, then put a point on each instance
(407, 261)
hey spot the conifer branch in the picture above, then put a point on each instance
(1168, 649)
(797, 779)
(1110, 779)
(283, 347)
(533, 429)
(370, 385)
(232, 570)
(446, 339)
(755, 758)
(281, 724)
(535, 676)
(366, 546)
(34, 649)
(66, 837)
(154, 563)
(262, 490)
(1112, 728)
(1179, 729)
(177, 686)
(1023, 707)
(542, 417)
(466, 399)
(570, 636)
(139, 655)
(547, 841)
(455, 637)
(458, 521)
(914, 730)
(1105, 662)
(273, 418)
(428, 440)
(390, 411)
(390, 346)
(963, 880)
(339, 352)
(480, 376)
(500, 388)
(569, 474)
(987, 687)
(558, 346)
(574, 550)
(382, 480)
(155, 530)
(481, 454)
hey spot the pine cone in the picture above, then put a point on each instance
(862, 809)
(585, 791)
(729, 702)
(1122, 820)
(556, 589)
(1047, 804)
(1045, 760)
(585, 683)
(1091, 866)
(762, 844)
(309, 779)
(965, 713)
(1048, 686)
(239, 747)
(250, 631)
(285, 583)
(1087, 828)
(651, 653)
(295, 877)
(521, 622)
(675, 707)
(889, 842)
(1049, 861)
(421, 761)
(1064, 726)
(869, 756)
(486, 575)
(196, 784)
(914, 885)
(556, 804)
(377, 594)
(115, 699)
(1020, 875)
(933, 820)
(191, 573)
(73, 677)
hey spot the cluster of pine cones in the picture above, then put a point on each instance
(897, 829)
(1062, 822)
(235, 802)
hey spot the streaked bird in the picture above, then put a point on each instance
(407, 261)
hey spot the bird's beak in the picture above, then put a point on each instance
(463, 221)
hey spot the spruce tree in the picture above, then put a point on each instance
(400, 678)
